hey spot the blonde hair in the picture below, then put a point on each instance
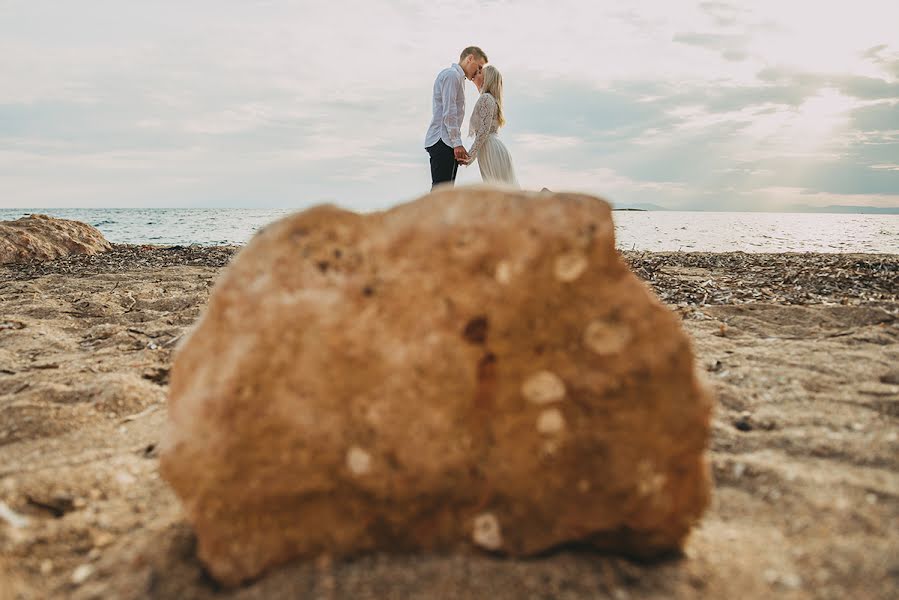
(493, 83)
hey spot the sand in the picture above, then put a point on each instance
(802, 351)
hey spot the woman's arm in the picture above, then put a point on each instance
(483, 115)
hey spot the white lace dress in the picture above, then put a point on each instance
(493, 157)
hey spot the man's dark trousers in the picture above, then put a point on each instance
(443, 164)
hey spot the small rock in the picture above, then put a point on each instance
(791, 581)
(487, 533)
(743, 424)
(82, 574)
(46, 567)
(124, 478)
(358, 461)
(10, 516)
(621, 594)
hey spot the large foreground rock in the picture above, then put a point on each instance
(39, 237)
(474, 369)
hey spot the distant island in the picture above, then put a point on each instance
(795, 208)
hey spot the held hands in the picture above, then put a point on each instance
(461, 155)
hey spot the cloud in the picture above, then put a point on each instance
(723, 13)
(731, 46)
(286, 103)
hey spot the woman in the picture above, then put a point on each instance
(486, 119)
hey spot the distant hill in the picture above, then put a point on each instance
(639, 206)
(842, 208)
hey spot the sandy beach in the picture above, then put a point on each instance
(802, 351)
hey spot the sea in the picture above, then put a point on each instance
(652, 231)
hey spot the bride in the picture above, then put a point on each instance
(486, 119)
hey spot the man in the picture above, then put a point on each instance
(444, 138)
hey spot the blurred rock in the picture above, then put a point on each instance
(475, 369)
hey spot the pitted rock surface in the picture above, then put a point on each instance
(474, 370)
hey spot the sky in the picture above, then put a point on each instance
(759, 105)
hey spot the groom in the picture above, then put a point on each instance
(444, 138)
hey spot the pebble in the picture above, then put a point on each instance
(82, 574)
(487, 533)
(788, 580)
(620, 594)
(46, 567)
(10, 516)
(791, 581)
(125, 478)
(358, 461)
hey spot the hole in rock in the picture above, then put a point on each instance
(476, 330)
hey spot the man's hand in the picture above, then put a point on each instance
(461, 154)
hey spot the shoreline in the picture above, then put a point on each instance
(801, 351)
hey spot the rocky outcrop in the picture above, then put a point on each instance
(39, 237)
(477, 369)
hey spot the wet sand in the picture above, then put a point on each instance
(801, 350)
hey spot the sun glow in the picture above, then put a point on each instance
(820, 117)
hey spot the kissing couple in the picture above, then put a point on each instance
(444, 138)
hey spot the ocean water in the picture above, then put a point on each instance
(652, 231)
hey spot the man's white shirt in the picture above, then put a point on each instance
(449, 108)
